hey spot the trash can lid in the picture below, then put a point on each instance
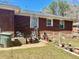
(6, 33)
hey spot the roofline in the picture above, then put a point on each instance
(45, 15)
(18, 11)
(9, 7)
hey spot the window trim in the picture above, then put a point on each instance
(31, 19)
(51, 22)
(63, 22)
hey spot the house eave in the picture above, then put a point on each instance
(44, 15)
(10, 7)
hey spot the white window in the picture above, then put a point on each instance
(34, 22)
(49, 22)
(62, 24)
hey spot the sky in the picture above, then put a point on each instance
(34, 5)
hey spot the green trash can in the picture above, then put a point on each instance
(5, 39)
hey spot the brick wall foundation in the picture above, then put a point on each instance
(55, 34)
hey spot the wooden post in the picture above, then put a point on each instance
(60, 36)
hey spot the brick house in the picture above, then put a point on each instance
(14, 20)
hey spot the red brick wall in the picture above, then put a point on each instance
(69, 25)
(6, 20)
(22, 23)
(53, 31)
(55, 27)
(42, 25)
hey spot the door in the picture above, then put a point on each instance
(34, 22)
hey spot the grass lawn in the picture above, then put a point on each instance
(47, 52)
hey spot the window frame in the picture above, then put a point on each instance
(62, 22)
(51, 24)
(32, 19)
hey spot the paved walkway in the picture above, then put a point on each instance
(40, 44)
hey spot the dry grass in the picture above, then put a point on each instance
(46, 52)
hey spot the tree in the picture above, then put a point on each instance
(57, 7)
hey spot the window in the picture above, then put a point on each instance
(34, 22)
(49, 22)
(62, 24)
